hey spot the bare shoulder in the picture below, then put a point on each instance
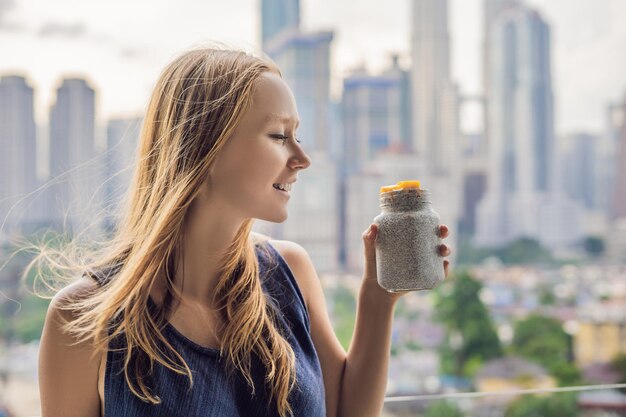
(77, 290)
(300, 264)
(68, 371)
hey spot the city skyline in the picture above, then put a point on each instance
(86, 40)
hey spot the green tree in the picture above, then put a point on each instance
(619, 365)
(443, 409)
(594, 245)
(524, 250)
(460, 309)
(561, 405)
(344, 315)
(542, 340)
(521, 251)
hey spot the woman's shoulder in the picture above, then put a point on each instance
(299, 263)
(77, 290)
(68, 369)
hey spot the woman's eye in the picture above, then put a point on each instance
(280, 137)
(284, 138)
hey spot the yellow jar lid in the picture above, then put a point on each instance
(387, 188)
(408, 184)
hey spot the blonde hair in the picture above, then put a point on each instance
(197, 102)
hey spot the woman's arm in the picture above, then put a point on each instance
(68, 375)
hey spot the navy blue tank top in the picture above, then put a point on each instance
(214, 394)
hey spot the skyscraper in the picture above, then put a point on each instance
(619, 197)
(579, 168)
(434, 96)
(75, 173)
(521, 192)
(372, 116)
(18, 154)
(278, 16)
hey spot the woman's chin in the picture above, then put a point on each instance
(276, 217)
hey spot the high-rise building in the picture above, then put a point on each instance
(121, 154)
(74, 170)
(18, 156)
(578, 168)
(372, 116)
(434, 96)
(522, 200)
(435, 105)
(278, 16)
(606, 159)
(619, 195)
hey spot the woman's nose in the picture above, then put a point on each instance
(300, 160)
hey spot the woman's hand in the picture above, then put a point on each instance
(370, 276)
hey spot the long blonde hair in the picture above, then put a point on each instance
(197, 102)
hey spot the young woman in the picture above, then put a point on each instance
(186, 312)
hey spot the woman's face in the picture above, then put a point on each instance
(261, 152)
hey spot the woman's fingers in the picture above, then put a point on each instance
(369, 239)
(443, 231)
(446, 266)
(444, 250)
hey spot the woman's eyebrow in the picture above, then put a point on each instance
(281, 118)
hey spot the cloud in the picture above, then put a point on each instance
(66, 30)
(126, 52)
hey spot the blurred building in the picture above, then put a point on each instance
(606, 158)
(374, 115)
(474, 180)
(18, 156)
(579, 167)
(278, 16)
(435, 105)
(601, 334)
(512, 373)
(120, 162)
(605, 403)
(619, 194)
(434, 97)
(522, 199)
(74, 170)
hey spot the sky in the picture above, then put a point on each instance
(120, 46)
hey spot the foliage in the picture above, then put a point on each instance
(567, 374)
(521, 251)
(460, 309)
(561, 405)
(443, 409)
(542, 340)
(344, 315)
(546, 296)
(594, 245)
(619, 365)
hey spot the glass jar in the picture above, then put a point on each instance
(407, 244)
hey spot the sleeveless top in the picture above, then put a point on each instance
(214, 394)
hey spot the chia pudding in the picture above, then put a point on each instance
(407, 244)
